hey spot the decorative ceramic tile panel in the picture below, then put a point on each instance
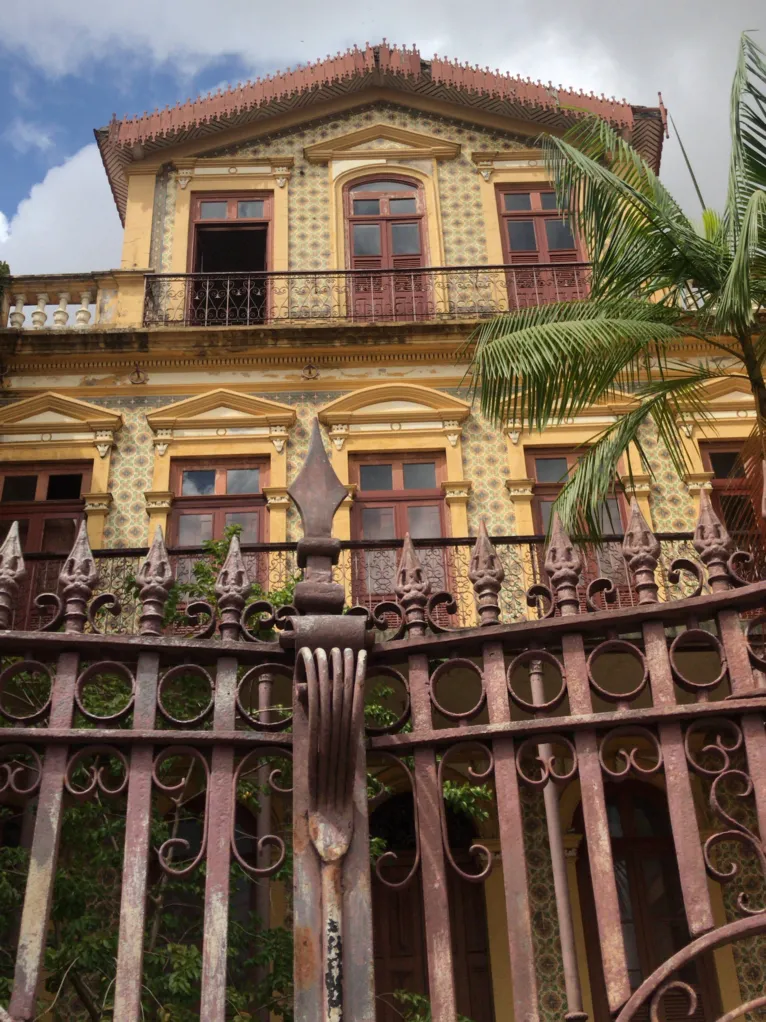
(309, 187)
(672, 506)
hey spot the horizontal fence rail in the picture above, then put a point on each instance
(367, 570)
(379, 783)
(363, 296)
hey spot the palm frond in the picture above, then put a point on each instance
(747, 164)
(598, 474)
(546, 363)
(639, 239)
(736, 309)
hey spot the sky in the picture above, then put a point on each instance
(67, 65)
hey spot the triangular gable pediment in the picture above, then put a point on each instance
(55, 410)
(375, 140)
(216, 405)
(727, 393)
(398, 401)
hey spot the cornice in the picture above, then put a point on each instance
(418, 145)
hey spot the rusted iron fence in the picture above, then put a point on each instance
(367, 571)
(590, 693)
(361, 296)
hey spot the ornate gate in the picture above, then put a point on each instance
(672, 691)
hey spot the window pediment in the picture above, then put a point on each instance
(379, 141)
(51, 413)
(398, 403)
(224, 409)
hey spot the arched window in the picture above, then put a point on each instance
(651, 904)
(386, 232)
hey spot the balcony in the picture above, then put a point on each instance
(368, 571)
(358, 296)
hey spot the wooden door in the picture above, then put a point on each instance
(651, 905)
(385, 233)
(398, 926)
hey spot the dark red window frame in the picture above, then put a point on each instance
(398, 498)
(231, 220)
(546, 492)
(538, 217)
(220, 503)
(40, 510)
(735, 498)
(385, 220)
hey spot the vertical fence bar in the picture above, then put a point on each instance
(597, 829)
(511, 827)
(44, 852)
(307, 880)
(683, 817)
(441, 979)
(130, 946)
(563, 564)
(220, 812)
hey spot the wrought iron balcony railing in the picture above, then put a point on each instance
(361, 296)
(367, 570)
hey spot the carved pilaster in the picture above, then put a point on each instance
(412, 589)
(12, 572)
(641, 550)
(486, 573)
(155, 577)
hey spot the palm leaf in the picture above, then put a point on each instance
(661, 404)
(747, 164)
(546, 363)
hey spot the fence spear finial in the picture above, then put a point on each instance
(486, 573)
(641, 550)
(713, 544)
(317, 493)
(78, 578)
(232, 587)
(12, 572)
(155, 578)
(563, 564)
(412, 588)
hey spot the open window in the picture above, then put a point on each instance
(231, 241)
(386, 239)
(47, 502)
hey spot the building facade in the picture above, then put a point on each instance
(320, 245)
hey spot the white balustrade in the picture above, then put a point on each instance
(61, 315)
(83, 314)
(16, 318)
(40, 315)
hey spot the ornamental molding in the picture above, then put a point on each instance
(395, 407)
(220, 413)
(97, 503)
(362, 145)
(698, 481)
(276, 496)
(158, 500)
(279, 167)
(520, 488)
(456, 491)
(489, 161)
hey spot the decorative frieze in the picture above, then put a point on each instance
(158, 500)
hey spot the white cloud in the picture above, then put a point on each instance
(685, 48)
(68, 223)
(24, 136)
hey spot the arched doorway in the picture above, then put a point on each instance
(385, 220)
(399, 933)
(651, 903)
